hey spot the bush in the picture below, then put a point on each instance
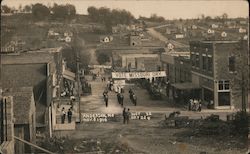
(241, 123)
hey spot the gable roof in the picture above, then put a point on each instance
(23, 104)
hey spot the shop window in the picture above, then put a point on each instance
(223, 85)
(232, 63)
(197, 61)
(193, 59)
(209, 63)
(204, 62)
(208, 95)
(224, 98)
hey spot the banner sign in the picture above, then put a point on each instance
(99, 66)
(137, 75)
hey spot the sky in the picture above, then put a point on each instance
(169, 9)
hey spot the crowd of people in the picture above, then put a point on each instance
(68, 89)
(195, 105)
(86, 87)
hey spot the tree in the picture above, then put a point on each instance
(224, 16)
(40, 11)
(63, 11)
(102, 58)
(5, 9)
(27, 8)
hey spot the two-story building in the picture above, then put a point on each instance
(40, 70)
(219, 69)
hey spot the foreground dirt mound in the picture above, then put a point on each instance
(86, 145)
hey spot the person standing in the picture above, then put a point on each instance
(106, 99)
(124, 114)
(128, 115)
(69, 116)
(121, 99)
(199, 108)
(134, 99)
(63, 114)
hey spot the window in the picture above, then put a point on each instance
(197, 61)
(231, 63)
(193, 59)
(223, 85)
(209, 63)
(204, 62)
(224, 98)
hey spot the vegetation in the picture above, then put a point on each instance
(40, 11)
(109, 17)
(102, 57)
(153, 18)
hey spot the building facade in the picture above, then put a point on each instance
(218, 68)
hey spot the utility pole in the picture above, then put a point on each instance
(78, 81)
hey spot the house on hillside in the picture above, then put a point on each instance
(106, 39)
(68, 39)
(68, 33)
(135, 40)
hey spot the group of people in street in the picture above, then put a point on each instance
(63, 115)
(126, 115)
(132, 97)
(194, 105)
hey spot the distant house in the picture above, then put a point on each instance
(170, 46)
(13, 46)
(223, 34)
(242, 30)
(135, 40)
(67, 39)
(243, 22)
(245, 37)
(179, 36)
(194, 27)
(210, 31)
(70, 34)
(106, 39)
(52, 33)
(214, 26)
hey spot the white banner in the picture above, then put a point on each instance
(137, 75)
(99, 66)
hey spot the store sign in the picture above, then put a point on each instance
(137, 75)
(99, 66)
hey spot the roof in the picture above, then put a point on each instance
(37, 56)
(185, 86)
(23, 104)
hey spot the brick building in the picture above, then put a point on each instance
(178, 69)
(219, 68)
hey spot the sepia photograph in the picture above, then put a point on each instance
(124, 77)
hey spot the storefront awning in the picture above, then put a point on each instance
(185, 86)
(69, 75)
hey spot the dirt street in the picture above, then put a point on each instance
(143, 136)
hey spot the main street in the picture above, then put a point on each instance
(142, 136)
